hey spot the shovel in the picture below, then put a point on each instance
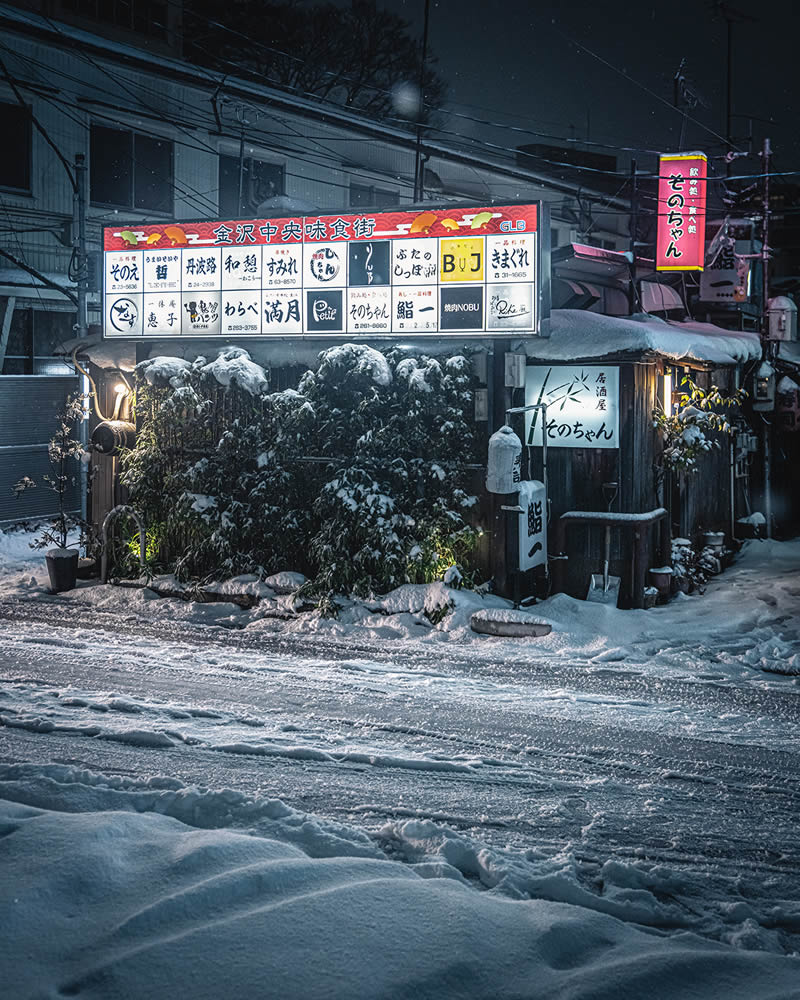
(604, 589)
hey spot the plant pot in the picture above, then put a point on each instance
(714, 540)
(62, 565)
(661, 579)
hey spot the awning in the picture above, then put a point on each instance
(577, 335)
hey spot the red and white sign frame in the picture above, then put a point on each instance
(461, 271)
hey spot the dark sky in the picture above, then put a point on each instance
(521, 63)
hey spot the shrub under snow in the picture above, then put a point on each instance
(357, 477)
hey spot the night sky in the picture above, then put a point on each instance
(522, 64)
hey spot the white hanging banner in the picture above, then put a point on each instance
(582, 405)
(532, 524)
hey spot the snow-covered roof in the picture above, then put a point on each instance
(576, 334)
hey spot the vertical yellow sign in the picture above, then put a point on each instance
(461, 259)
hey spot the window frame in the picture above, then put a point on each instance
(28, 121)
(131, 205)
(223, 154)
(374, 194)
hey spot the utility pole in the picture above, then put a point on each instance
(79, 243)
(239, 209)
(419, 166)
(632, 244)
(81, 271)
(765, 333)
(731, 16)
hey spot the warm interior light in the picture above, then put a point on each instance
(119, 388)
(668, 391)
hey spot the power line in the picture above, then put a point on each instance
(647, 90)
(429, 127)
(284, 150)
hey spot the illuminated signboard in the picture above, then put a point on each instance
(582, 405)
(460, 271)
(681, 235)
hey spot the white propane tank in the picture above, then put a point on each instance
(503, 468)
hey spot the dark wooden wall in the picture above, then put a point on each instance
(576, 477)
(697, 502)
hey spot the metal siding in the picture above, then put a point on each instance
(29, 406)
(38, 501)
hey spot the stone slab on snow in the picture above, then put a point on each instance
(285, 582)
(509, 623)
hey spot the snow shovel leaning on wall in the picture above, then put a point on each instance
(604, 589)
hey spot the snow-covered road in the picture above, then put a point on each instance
(610, 760)
(642, 764)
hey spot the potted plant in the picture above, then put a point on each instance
(62, 560)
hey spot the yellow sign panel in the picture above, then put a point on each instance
(462, 259)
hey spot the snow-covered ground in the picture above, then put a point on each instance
(399, 808)
(745, 627)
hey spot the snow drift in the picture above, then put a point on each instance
(105, 901)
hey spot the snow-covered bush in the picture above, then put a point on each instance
(358, 478)
(395, 509)
(686, 432)
(691, 569)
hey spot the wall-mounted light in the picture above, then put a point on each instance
(667, 390)
(121, 392)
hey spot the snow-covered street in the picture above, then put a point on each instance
(640, 766)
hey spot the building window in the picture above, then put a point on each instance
(260, 180)
(147, 17)
(15, 128)
(33, 338)
(367, 196)
(129, 170)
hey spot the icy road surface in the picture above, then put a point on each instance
(643, 764)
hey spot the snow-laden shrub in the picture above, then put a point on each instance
(691, 569)
(358, 478)
(688, 433)
(395, 509)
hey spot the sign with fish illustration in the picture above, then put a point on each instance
(447, 270)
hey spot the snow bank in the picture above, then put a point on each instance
(361, 359)
(102, 896)
(232, 366)
(15, 549)
(576, 333)
(741, 630)
(16, 554)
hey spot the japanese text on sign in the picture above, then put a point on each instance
(444, 270)
(582, 405)
(680, 241)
